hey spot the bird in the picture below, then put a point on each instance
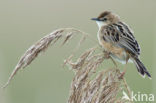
(117, 39)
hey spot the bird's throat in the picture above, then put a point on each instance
(100, 24)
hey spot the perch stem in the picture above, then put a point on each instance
(127, 88)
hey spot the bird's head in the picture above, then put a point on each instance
(106, 18)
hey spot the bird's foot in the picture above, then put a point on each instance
(106, 55)
(121, 75)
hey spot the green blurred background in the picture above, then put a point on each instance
(23, 22)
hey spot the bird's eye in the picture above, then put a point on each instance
(104, 19)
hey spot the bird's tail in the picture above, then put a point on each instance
(141, 68)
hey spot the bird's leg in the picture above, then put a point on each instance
(124, 71)
(113, 62)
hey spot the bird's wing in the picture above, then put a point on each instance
(121, 36)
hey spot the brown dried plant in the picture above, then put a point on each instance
(89, 85)
(103, 87)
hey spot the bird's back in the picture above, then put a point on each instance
(120, 35)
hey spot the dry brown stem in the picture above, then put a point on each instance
(41, 46)
(89, 85)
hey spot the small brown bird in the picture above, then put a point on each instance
(117, 39)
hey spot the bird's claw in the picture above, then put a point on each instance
(106, 55)
(121, 75)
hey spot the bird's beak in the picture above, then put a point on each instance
(95, 19)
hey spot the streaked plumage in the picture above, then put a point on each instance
(118, 39)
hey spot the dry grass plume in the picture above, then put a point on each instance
(89, 85)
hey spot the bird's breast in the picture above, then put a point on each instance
(118, 53)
